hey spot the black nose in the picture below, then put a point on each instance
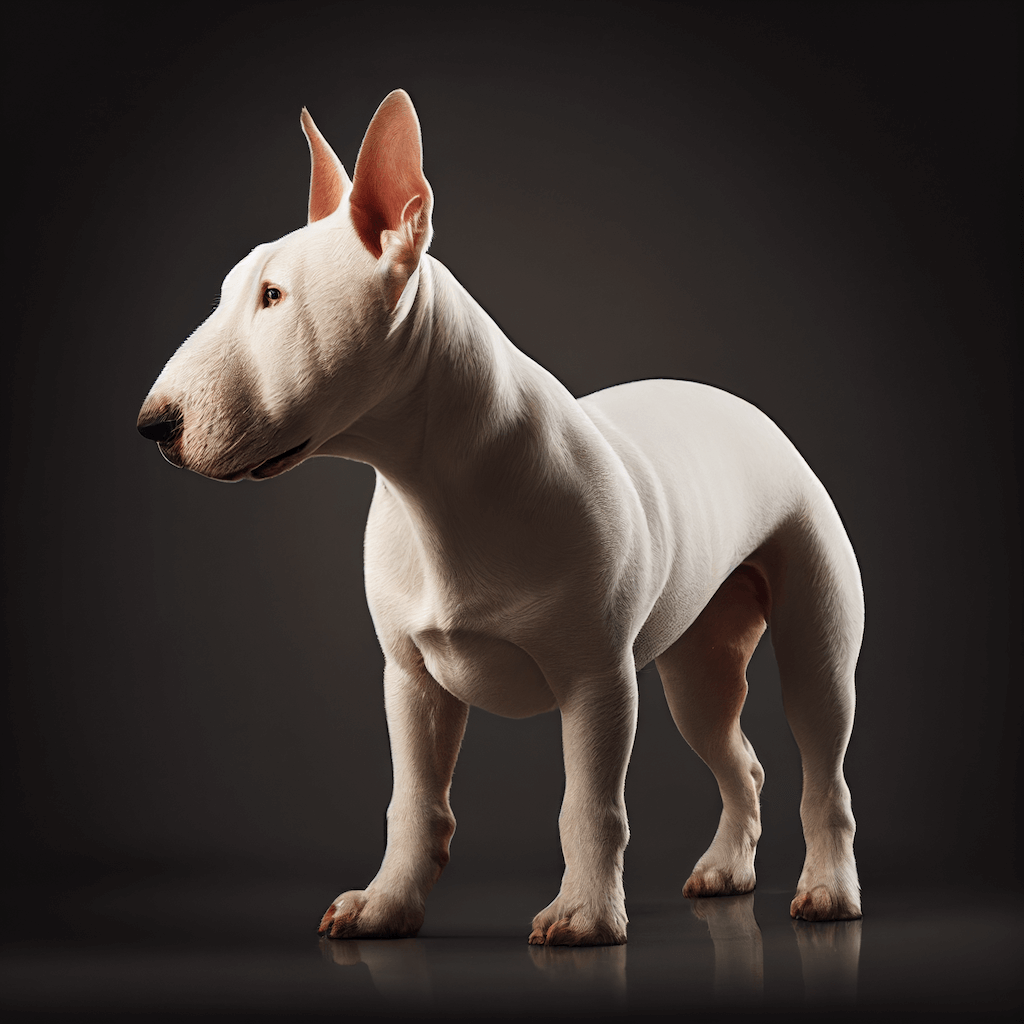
(163, 425)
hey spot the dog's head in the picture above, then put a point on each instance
(298, 349)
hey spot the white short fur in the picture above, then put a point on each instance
(526, 551)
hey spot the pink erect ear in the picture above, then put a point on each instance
(391, 199)
(328, 181)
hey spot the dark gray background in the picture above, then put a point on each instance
(813, 206)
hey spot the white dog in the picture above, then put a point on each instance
(526, 551)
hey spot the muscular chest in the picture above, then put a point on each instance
(473, 619)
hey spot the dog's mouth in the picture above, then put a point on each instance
(279, 463)
(261, 471)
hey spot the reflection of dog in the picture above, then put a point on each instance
(526, 551)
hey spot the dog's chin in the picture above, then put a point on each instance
(278, 464)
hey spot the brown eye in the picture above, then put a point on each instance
(271, 295)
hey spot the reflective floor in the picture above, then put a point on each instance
(174, 945)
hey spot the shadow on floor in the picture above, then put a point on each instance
(171, 945)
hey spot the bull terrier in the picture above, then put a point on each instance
(527, 551)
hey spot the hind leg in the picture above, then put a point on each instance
(704, 675)
(816, 631)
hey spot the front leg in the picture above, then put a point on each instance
(426, 725)
(598, 726)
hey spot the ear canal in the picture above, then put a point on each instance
(328, 181)
(389, 176)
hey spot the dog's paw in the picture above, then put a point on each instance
(561, 925)
(824, 904)
(364, 915)
(708, 881)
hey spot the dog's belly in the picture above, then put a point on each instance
(485, 671)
